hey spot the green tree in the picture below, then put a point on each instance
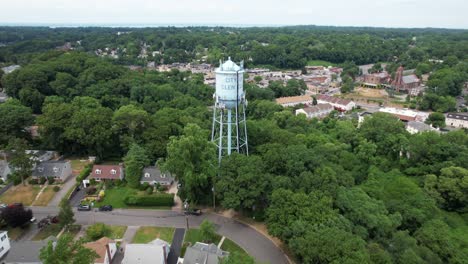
(330, 245)
(19, 159)
(207, 230)
(14, 117)
(130, 122)
(436, 119)
(66, 250)
(97, 231)
(192, 159)
(66, 215)
(135, 160)
(451, 186)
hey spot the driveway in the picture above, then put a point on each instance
(66, 186)
(176, 246)
(257, 245)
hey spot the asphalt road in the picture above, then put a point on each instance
(257, 245)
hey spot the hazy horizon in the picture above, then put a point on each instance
(140, 13)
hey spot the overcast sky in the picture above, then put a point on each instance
(378, 13)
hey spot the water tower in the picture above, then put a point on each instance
(229, 128)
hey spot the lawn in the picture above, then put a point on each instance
(146, 234)
(50, 230)
(117, 232)
(192, 236)
(73, 230)
(78, 164)
(45, 197)
(319, 63)
(20, 194)
(229, 246)
(115, 197)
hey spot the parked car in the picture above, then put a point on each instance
(105, 208)
(2, 206)
(33, 219)
(193, 211)
(15, 205)
(84, 207)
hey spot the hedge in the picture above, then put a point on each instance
(150, 200)
(84, 173)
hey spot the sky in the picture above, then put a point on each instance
(377, 13)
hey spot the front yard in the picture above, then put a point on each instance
(45, 197)
(117, 232)
(146, 234)
(20, 194)
(115, 196)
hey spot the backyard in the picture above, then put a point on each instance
(146, 234)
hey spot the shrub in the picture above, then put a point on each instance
(92, 181)
(42, 180)
(56, 188)
(97, 231)
(33, 181)
(149, 191)
(51, 180)
(91, 190)
(164, 199)
(207, 230)
(1, 181)
(144, 186)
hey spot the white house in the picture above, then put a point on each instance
(414, 127)
(294, 100)
(155, 252)
(457, 120)
(4, 243)
(337, 103)
(316, 111)
(4, 170)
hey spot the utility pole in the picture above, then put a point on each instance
(186, 207)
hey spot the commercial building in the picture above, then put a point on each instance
(294, 100)
(316, 111)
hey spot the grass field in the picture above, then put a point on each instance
(319, 63)
(117, 232)
(146, 234)
(45, 197)
(20, 194)
(50, 230)
(229, 246)
(73, 230)
(78, 164)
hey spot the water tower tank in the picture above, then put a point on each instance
(229, 83)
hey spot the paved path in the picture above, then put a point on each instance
(176, 246)
(257, 245)
(39, 194)
(66, 186)
(129, 234)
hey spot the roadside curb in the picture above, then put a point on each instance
(260, 232)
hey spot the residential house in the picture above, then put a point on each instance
(25, 252)
(204, 253)
(414, 127)
(405, 115)
(294, 100)
(153, 175)
(338, 103)
(107, 172)
(4, 243)
(457, 120)
(10, 69)
(362, 116)
(42, 155)
(155, 252)
(3, 97)
(105, 248)
(4, 170)
(316, 111)
(60, 170)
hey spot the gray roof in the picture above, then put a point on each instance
(153, 174)
(420, 126)
(410, 78)
(203, 253)
(459, 116)
(25, 252)
(52, 169)
(153, 252)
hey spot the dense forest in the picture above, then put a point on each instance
(332, 191)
